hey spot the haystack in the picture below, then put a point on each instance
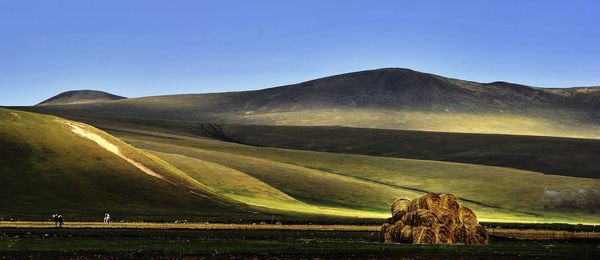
(432, 218)
(444, 234)
(423, 235)
(420, 217)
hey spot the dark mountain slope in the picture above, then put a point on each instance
(385, 98)
(79, 97)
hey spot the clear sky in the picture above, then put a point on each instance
(142, 48)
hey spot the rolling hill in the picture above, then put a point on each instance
(51, 165)
(389, 98)
(54, 165)
(325, 179)
(548, 155)
(79, 97)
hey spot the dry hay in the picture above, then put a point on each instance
(399, 208)
(432, 218)
(446, 217)
(450, 202)
(423, 235)
(400, 205)
(383, 232)
(396, 230)
(388, 236)
(481, 235)
(430, 201)
(420, 217)
(467, 217)
(443, 234)
(390, 221)
(406, 234)
(460, 233)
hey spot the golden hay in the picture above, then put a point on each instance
(430, 219)
(397, 216)
(430, 201)
(481, 235)
(388, 236)
(397, 231)
(420, 217)
(383, 231)
(467, 217)
(423, 235)
(460, 233)
(443, 234)
(400, 205)
(406, 234)
(450, 202)
(389, 220)
(446, 217)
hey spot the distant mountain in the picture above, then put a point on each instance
(391, 98)
(79, 97)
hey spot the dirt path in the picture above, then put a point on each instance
(111, 148)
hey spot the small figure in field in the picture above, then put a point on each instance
(55, 218)
(58, 220)
(107, 218)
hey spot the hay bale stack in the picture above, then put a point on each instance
(450, 202)
(399, 208)
(430, 201)
(420, 217)
(424, 235)
(444, 235)
(467, 217)
(406, 235)
(383, 231)
(432, 218)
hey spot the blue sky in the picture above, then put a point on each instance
(142, 48)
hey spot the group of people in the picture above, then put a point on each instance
(59, 221)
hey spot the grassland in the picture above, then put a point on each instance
(239, 181)
(48, 168)
(549, 155)
(483, 123)
(496, 193)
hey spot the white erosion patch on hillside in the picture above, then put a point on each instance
(111, 148)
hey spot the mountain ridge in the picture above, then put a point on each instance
(79, 97)
(391, 98)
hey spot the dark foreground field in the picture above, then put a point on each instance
(100, 243)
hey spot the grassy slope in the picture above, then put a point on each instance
(549, 155)
(499, 194)
(47, 168)
(284, 180)
(198, 108)
(484, 123)
(246, 188)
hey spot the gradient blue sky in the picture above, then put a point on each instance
(142, 48)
